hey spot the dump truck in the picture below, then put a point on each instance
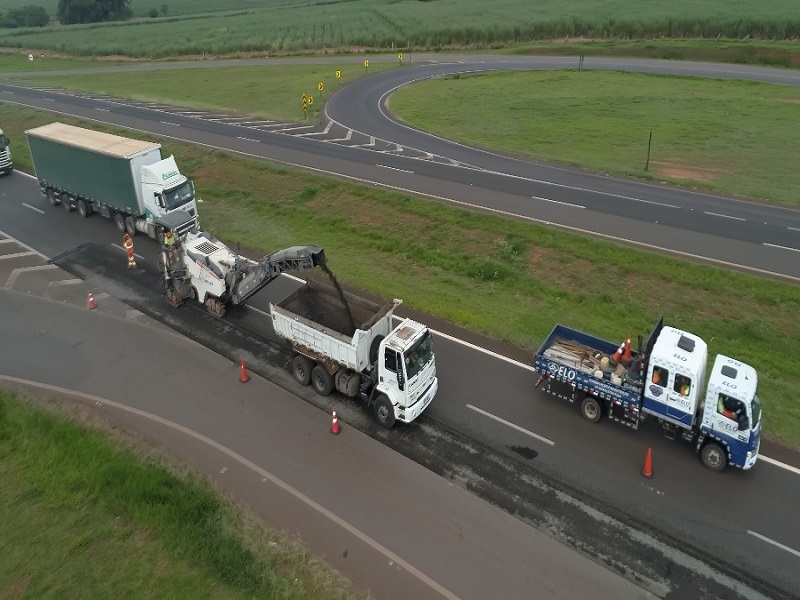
(199, 266)
(343, 342)
(663, 379)
(120, 178)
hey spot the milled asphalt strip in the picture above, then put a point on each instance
(255, 468)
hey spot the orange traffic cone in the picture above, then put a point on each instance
(92, 303)
(618, 354)
(335, 429)
(626, 357)
(647, 469)
(244, 377)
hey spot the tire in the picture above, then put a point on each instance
(374, 347)
(130, 225)
(301, 369)
(65, 202)
(119, 220)
(84, 208)
(321, 380)
(714, 457)
(591, 409)
(383, 411)
(160, 236)
(52, 197)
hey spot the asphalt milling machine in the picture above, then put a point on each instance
(489, 469)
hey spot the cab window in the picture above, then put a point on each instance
(391, 361)
(683, 385)
(660, 376)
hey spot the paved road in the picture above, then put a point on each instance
(513, 463)
(358, 141)
(391, 525)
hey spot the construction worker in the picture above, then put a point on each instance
(128, 243)
(169, 238)
(171, 245)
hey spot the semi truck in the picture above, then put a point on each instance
(120, 178)
(197, 265)
(663, 379)
(6, 162)
(340, 341)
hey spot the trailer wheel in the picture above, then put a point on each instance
(714, 457)
(383, 411)
(65, 202)
(52, 197)
(591, 410)
(84, 208)
(130, 225)
(321, 380)
(301, 369)
(119, 220)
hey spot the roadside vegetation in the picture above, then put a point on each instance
(87, 517)
(281, 26)
(504, 278)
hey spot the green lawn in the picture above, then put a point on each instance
(83, 517)
(507, 279)
(726, 136)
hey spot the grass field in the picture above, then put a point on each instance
(507, 279)
(726, 136)
(85, 517)
(282, 26)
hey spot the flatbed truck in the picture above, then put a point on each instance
(665, 381)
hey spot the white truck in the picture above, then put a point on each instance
(347, 343)
(120, 178)
(664, 380)
(6, 162)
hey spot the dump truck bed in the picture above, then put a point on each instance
(319, 320)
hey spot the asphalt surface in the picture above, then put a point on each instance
(393, 526)
(543, 464)
(597, 465)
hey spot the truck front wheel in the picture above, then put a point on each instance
(383, 411)
(714, 457)
(65, 202)
(321, 380)
(301, 369)
(591, 410)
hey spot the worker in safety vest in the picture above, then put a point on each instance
(128, 243)
(169, 238)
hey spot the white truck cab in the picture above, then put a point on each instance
(6, 162)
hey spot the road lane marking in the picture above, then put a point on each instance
(39, 210)
(794, 228)
(558, 202)
(778, 463)
(171, 123)
(393, 168)
(12, 279)
(247, 139)
(24, 245)
(713, 214)
(781, 247)
(15, 255)
(509, 424)
(8, 241)
(266, 475)
(65, 282)
(774, 543)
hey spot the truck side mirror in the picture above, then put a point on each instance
(159, 199)
(744, 423)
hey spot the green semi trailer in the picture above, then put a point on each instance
(120, 178)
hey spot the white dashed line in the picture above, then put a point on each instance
(12, 279)
(558, 202)
(713, 214)
(782, 247)
(393, 168)
(509, 424)
(39, 210)
(774, 543)
(15, 255)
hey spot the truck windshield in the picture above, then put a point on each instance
(419, 355)
(179, 196)
(3, 142)
(756, 411)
